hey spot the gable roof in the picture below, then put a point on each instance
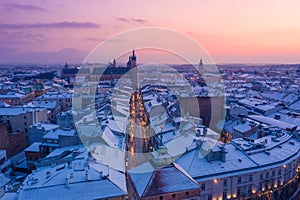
(162, 181)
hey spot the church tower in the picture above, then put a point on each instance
(132, 60)
(201, 62)
(131, 64)
(201, 67)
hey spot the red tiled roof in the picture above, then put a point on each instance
(162, 181)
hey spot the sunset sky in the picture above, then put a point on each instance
(233, 31)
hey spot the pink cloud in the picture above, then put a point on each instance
(55, 25)
(30, 8)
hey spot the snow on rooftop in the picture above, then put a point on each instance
(88, 129)
(272, 122)
(197, 166)
(55, 96)
(142, 168)
(44, 104)
(3, 180)
(10, 196)
(34, 147)
(149, 97)
(81, 179)
(238, 161)
(3, 104)
(118, 178)
(113, 157)
(161, 181)
(46, 126)
(94, 189)
(141, 181)
(59, 151)
(54, 134)
(119, 124)
(13, 111)
(120, 109)
(277, 154)
(242, 128)
(110, 138)
(286, 117)
(11, 96)
(179, 144)
(295, 106)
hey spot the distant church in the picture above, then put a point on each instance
(201, 62)
(132, 60)
(201, 67)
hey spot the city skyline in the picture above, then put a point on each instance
(140, 100)
(231, 32)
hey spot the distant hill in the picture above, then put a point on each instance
(69, 55)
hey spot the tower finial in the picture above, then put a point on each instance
(201, 61)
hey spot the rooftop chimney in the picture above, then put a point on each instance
(68, 180)
(86, 175)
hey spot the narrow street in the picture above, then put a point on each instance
(138, 142)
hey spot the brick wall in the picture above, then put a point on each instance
(13, 143)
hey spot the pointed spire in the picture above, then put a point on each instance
(66, 65)
(114, 63)
(201, 62)
(133, 55)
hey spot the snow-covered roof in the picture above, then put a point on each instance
(238, 161)
(46, 126)
(162, 181)
(10, 196)
(179, 144)
(3, 104)
(34, 147)
(243, 127)
(13, 111)
(284, 117)
(111, 156)
(3, 180)
(82, 179)
(272, 122)
(277, 154)
(55, 96)
(12, 96)
(119, 124)
(44, 104)
(295, 106)
(88, 130)
(111, 139)
(79, 188)
(54, 134)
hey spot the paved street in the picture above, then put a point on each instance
(138, 143)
